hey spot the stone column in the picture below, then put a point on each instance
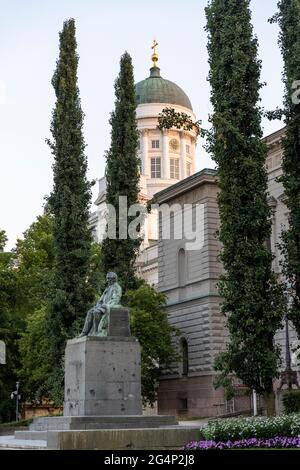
(193, 154)
(146, 232)
(165, 155)
(145, 153)
(182, 155)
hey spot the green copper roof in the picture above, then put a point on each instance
(156, 89)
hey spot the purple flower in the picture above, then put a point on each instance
(276, 442)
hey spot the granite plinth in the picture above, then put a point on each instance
(103, 376)
(123, 439)
(119, 322)
(67, 423)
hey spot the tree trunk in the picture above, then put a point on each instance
(269, 402)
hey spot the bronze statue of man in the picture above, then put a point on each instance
(110, 297)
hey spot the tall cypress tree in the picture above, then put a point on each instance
(69, 201)
(122, 175)
(252, 299)
(289, 22)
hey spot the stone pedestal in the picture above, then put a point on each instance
(119, 322)
(103, 392)
(103, 377)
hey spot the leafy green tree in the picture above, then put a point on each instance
(288, 18)
(149, 323)
(69, 203)
(34, 347)
(122, 175)
(35, 259)
(35, 255)
(3, 240)
(169, 118)
(253, 302)
(10, 325)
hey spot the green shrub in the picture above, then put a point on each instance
(247, 428)
(15, 424)
(291, 401)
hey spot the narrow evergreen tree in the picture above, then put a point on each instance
(289, 22)
(252, 299)
(122, 175)
(69, 202)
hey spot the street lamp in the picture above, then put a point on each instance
(288, 376)
(16, 394)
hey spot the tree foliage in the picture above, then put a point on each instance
(169, 118)
(122, 175)
(34, 271)
(34, 263)
(35, 260)
(10, 325)
(3, 240)
(34, 347)
(288, 18)
(69, 204)
(149, 323)
(253, 302)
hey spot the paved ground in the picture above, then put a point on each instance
(9, 442)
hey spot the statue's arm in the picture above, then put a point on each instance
(100, 301)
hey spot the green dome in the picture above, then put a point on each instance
(156, 89)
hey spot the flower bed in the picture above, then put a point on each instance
(245, 433)
(274, 443)
(247, 428)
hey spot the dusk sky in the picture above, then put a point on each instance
(105, 29)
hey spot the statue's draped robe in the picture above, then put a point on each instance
(97, 318)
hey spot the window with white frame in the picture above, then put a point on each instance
(155, 144)
(188, 149)
(188, 169)
(155, 168)
(174, 168)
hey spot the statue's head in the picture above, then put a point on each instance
(111, 278)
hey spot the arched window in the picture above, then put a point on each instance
(185, 356)
(181, 268)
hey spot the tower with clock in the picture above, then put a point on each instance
(167, 156)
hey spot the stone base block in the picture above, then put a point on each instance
(119, 322)
(62, 423)
(103, 377)
(31, 435)
(123, 439)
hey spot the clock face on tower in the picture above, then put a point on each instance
(174, 145)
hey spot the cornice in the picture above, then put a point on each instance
(192, 182)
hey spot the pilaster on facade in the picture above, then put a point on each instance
(182, 155)
(166, 161)
(145, 153)
(193, 149)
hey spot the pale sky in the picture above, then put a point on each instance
(105, 29)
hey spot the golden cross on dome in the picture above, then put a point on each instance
(154, 56)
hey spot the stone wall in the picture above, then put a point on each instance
(189, 279)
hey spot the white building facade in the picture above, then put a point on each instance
(167, 157)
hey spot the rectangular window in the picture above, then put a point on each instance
(155, 168)
(188, 169)
(155, 144)
(188, 149)
(174, 168)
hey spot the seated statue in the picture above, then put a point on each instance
(96, 321)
